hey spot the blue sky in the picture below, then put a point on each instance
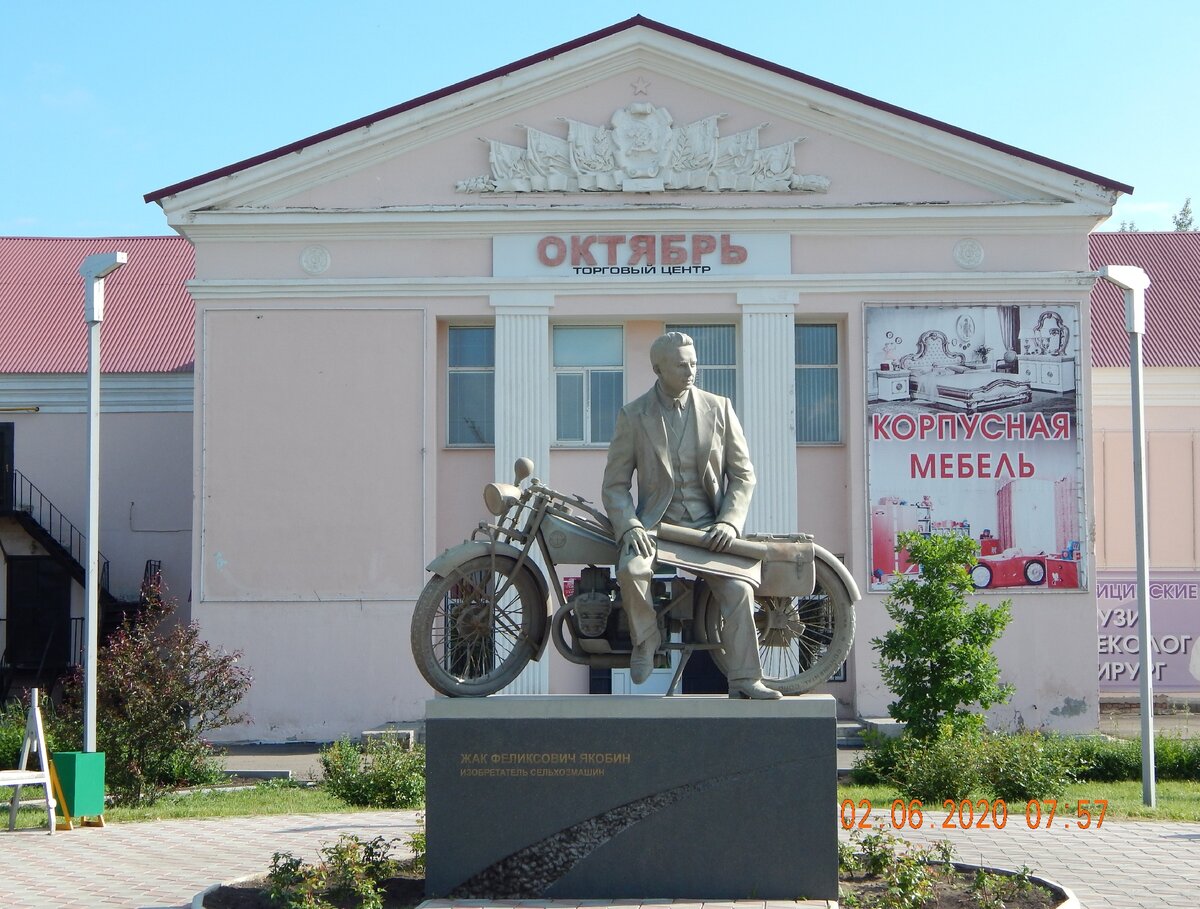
(101, 103)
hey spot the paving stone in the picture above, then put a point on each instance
(163, 864)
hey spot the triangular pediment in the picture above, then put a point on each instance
(641, 115)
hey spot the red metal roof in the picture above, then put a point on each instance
(160, 194)
(1172, 262)
(148, 313)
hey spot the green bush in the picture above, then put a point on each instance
(949, 767)
(877, 763)
(384, 774)
(1175, 758)
(1026, 765)
(937, 659)
(351, 873)
(1105, 760)
(1016, 767)
(911, 875)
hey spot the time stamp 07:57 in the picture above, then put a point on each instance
(967, 814)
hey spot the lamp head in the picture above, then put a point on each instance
(1126, 277)
(102, 265)
(1133, 281)
(94, 270)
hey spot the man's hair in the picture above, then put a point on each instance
(672, 340)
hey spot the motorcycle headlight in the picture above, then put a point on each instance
(500, 497)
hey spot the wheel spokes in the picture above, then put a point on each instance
(474, 634)
(793, 633)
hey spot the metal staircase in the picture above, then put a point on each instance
(44, 522)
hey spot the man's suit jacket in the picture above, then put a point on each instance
(640, 444)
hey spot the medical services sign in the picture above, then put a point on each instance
(1173, 661)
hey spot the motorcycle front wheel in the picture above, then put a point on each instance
(802, 641)
(466, 641)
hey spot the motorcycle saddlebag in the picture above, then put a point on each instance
(789, 568)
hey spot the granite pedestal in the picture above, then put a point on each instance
(564, 797)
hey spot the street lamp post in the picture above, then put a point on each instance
(94, 270)
(1133, 283)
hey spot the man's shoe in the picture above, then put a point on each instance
(754, 690)
(641, 661)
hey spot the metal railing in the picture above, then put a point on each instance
(28, 498)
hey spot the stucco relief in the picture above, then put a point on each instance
(641, 150)
(315, 260)
(968, 253)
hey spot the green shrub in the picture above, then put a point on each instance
(1026, 765)
(949, 767)
(159, 689)
(878, 761)
(416, 842)
(1014, 767)
(351, 873)
(384, 774)
(996, 891)
(937, 659)
(911, 875)
(1175, 758)
(1105, 760)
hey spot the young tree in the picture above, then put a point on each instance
(1183, 220)
(938, 658)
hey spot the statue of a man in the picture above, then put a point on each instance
(693, 469)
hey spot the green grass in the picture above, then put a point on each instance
(265, 798)
(1176, 800)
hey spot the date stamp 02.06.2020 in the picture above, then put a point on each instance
(968, 814)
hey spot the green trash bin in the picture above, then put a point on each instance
(81, 775)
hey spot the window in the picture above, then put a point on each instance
(589, 384)
(472, 408)
(716, 354)
(817, 381)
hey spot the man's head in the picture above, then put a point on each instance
(673, 357)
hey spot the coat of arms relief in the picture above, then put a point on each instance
(641, 150)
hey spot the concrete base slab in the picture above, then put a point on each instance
(586, 798)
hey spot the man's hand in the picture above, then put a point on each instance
(637, 542)
(719, 537)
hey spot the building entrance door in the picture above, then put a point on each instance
(39, 613)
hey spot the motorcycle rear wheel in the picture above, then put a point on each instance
(465, 642)
(802, 641)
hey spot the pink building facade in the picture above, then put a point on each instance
(390, 313)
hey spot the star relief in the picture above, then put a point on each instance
(641, 85)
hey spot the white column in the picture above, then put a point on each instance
(523, 424)
(768, 405)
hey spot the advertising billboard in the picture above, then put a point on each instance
(972, 428)
(1173, 662)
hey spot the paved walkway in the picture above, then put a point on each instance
(163, 864)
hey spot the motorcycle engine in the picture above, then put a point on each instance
(592, 603)
(591, 613)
